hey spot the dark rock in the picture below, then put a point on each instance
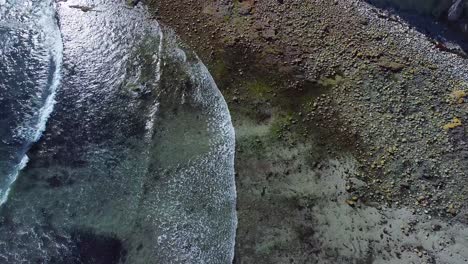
(83, 8)
(269, 34)
(391, 65)
(245, 8)
(133, 3)
(97, 248)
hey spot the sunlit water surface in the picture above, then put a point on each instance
(136, 161)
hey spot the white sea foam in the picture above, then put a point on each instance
(207, 176)
(50, 27)
(150, 122)
(32, 133)
(12, 178)
(160, 54)
(48, 107)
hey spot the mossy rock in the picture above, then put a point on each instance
(258, 87)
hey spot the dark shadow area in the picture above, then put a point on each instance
(431, 19)
(91, 248)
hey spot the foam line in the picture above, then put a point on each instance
(50, 26)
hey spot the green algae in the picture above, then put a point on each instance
(280, 125)
(219, 69)
(330, 82)
(259, 87)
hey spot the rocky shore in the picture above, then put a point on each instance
(350, 123)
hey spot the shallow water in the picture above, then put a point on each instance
(137, 158)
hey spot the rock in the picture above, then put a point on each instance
(83, 8)
(132, 3)
(245, 8)
(390, 65)
(456, 122)
(452, 210)
(351, 203)
(458, 96)
(404, 185)
(269, 34)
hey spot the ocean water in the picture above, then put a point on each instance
(30, 57)
(116, 145)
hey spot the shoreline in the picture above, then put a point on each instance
(311, 86)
